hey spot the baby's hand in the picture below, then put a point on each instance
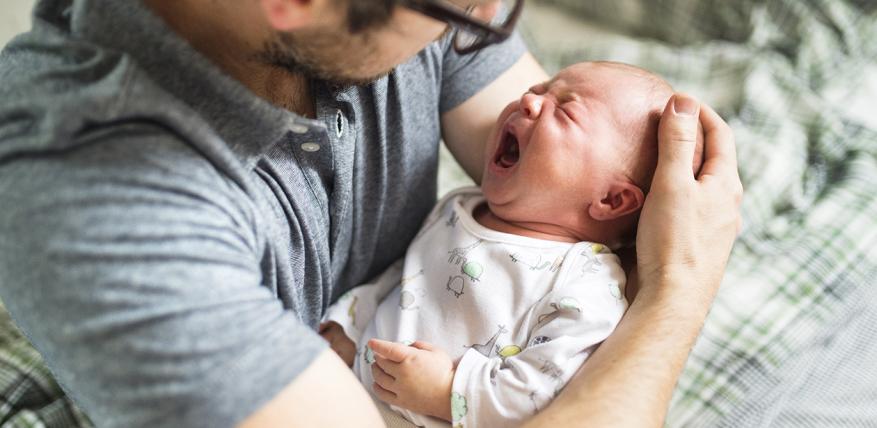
(417, 377)
(338, 341)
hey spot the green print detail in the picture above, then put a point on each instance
(615, 290)
(351, 311)
(406, 300)
(368, 355)
(458, 407)
(473, 270)
(509, 351)
(567, 304)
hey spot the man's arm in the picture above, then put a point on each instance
(132, 264)
(686, 232)
(326, 394)
(465, 128)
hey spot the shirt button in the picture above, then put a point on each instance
(310, 147)
(299, 129)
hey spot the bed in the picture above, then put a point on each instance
(792, 337)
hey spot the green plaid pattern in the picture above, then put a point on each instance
(796, 80)
(29, 396)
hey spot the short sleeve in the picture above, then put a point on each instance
(464, 75)
(134, 269)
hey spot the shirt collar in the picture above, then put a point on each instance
(234, 112)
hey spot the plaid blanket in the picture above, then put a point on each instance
(792, 337)
(29, 396)
(797, 80)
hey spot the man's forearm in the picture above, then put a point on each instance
(629, 380)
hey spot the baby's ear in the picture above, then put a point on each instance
(622, 198)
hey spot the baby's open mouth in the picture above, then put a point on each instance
(507, 153)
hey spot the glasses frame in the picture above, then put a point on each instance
(461, 21)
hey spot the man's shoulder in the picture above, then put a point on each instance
(85, 123)
(58, 93)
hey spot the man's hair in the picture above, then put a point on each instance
(364, 15)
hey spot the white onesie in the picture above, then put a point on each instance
(519, 314)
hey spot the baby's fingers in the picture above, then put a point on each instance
(390, 350)
(382, 378)
(383, 394)
(388, 366)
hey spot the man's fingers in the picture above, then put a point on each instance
(720, 154)
(677, 136)
(390, 350)
(383, 394)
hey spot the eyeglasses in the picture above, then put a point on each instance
(476, 26)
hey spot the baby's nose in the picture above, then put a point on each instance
(531, 105)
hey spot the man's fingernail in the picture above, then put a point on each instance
(685, 105)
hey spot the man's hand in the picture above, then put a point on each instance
(417, 377)
(686, 231)
(338, 341)
(688, 224)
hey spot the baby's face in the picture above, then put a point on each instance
(560, 146)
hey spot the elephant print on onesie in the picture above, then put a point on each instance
(410, 295)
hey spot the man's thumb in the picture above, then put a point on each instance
(677, 135)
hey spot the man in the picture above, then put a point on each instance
(187, 184)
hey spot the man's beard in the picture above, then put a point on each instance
(304, 59)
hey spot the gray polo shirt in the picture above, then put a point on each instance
(168, 240)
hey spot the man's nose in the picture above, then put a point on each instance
(531, 105)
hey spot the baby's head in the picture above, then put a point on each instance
(576, 154)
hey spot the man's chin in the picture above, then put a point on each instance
(342, 80)
(275, 55)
